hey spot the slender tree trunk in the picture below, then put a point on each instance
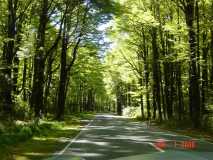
(141, 95)
(147, 91)
(81, 98)
(16, 58)
(146, 73)
(179, 91)
(63, 77)
(15, 74)
(156, 77)
(140, 81)
(49, 74)
(29, 79)
(90, 100)
(204, 89)
(211, 53)
(169, 80)
(168, 89)
(197, 13)
(129, 95)
(119, 100)
(24, 79)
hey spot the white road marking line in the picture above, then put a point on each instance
(75, 138)
(157, 148)
(56, 154)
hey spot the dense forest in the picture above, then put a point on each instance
(49, 57)
(163, 53)
(60, 57)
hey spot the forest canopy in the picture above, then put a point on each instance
(62, 57)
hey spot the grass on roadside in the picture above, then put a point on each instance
(185, 128)
(36, 143)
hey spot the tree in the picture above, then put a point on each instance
(16, 12)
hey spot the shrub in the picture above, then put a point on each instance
(22, 109)
(132, 112)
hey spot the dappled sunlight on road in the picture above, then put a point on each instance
(111, 137)
(91, 142)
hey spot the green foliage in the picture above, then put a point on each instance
(113, 52)
(132, 112)
(22, 131)
(151, 32)
(22, 110)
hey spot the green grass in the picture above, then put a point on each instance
(27, 142)
(185, 128)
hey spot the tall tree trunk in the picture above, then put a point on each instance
(129, 95)
(39, 62)
(49, 74)
(29, 79)
(179, 91)
(119, 100)
(16, 58)
(15, 74)
(197, 13)
(156, 77)
(211, 53)
(194, 88)
(24, 79)
(140, 80)
(63, 77)
(146, 73)
(204, 89)
(6, 85)
(141, 97)
(169, 79)
(90, 100)
(168, 89)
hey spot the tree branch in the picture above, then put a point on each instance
(24, 10)
(52, 48)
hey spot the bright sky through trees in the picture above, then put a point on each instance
(151, 59)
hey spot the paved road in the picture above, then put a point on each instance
(111, 137)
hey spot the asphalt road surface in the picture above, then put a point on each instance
(110, 137)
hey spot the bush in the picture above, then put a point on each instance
(207, 122)
(20, 131)
(132, 112)
(2, 128)
(25, 133)
(22, 109)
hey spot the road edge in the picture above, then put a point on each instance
(71, 141)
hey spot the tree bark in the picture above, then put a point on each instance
(211, 53)
(156, 77)
(179, 91)
(6, 85)
(63, 76)
(119, 100)
(39, 63)
(194, 89)
(24, 79)
(204, 88)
